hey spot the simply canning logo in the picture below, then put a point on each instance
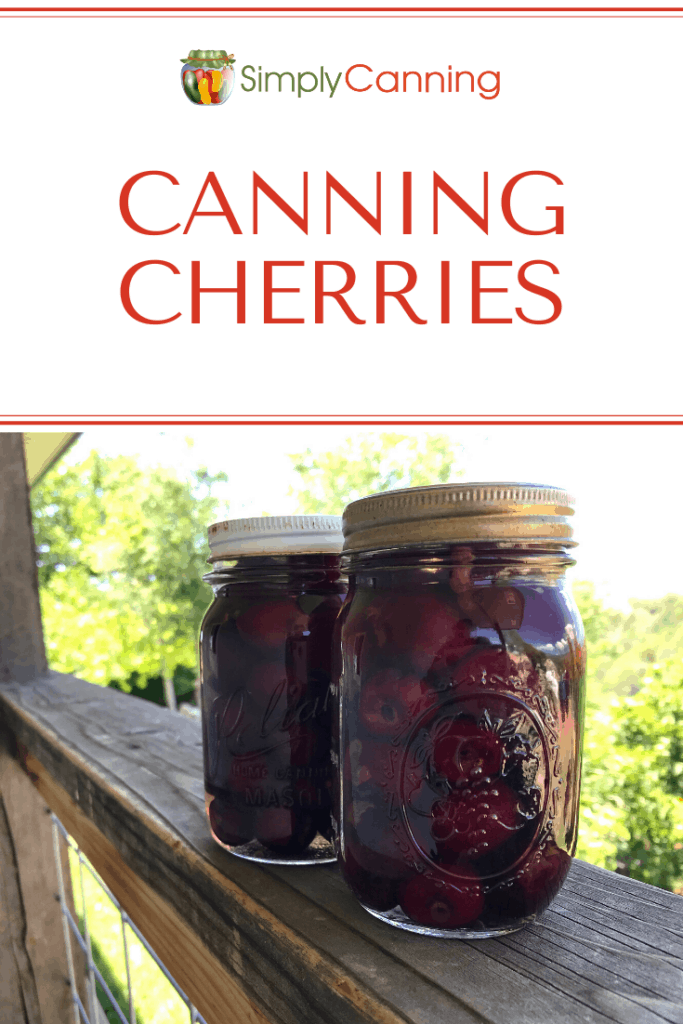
(364, 78)
(208, 77)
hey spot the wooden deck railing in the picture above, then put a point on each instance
(252, 944)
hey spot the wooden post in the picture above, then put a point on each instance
(22, 649)
(33, 967)
(34, 976)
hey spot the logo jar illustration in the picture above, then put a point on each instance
(208, 76)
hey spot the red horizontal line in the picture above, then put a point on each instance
(435, 417)
(366, 17)
(339, 423)
(348, 10)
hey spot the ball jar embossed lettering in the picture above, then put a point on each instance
(460, 706)
(265, 653)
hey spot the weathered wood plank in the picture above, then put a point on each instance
(127, 776)
(29, 872)
(32, 951)
(22, 651)
(18, 997)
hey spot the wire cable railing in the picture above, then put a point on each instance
(83, 938)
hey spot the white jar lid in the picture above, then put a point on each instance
(275, 535)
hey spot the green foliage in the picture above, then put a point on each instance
(114, 982)
(367, 463)
(632, 793)
(121, 553)
(155, 1000)
(603, 626)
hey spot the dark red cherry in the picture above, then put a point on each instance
(283, 830)
(389, 700)
(459, 643)
(267, 687)
(374, 890)
(320, 624)
(232, 657)
(543, 874)
(438, 904)
(422, 626)
(472, 822)
(371, 762)
(231, 826)
(490, 667)
(268, 625)
(411, 628)
(464, 753)
(309, 744)
(379, 842)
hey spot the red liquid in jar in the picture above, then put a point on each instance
(266, 709)
(460, 746)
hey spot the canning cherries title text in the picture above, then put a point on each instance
(395, 285)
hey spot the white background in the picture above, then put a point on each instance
(596, 102)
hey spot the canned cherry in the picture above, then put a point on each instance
(460, 694)
(265, 650)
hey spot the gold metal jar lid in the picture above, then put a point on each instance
(455, 512)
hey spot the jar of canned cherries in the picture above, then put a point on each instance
(460, 706)
(265, 650)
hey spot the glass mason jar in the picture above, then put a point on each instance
(460, 706)
(207, 76)
(265, 651)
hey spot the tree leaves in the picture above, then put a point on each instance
(121, 554)
(632, 791)
(367, 463)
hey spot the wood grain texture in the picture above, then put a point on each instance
(22, 651)
(127, 775)
(30, 916)
(32, 954)
(18, 998)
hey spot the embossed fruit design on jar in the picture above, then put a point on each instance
(460, 698)
(265, 655)
(208, 76)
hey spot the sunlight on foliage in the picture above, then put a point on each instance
(155, 999)
(632, 791)
(367, 463)
(121, 554)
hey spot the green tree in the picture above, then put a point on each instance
(121, 555)
(367, 463)
(632, 791)
(651, 634)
